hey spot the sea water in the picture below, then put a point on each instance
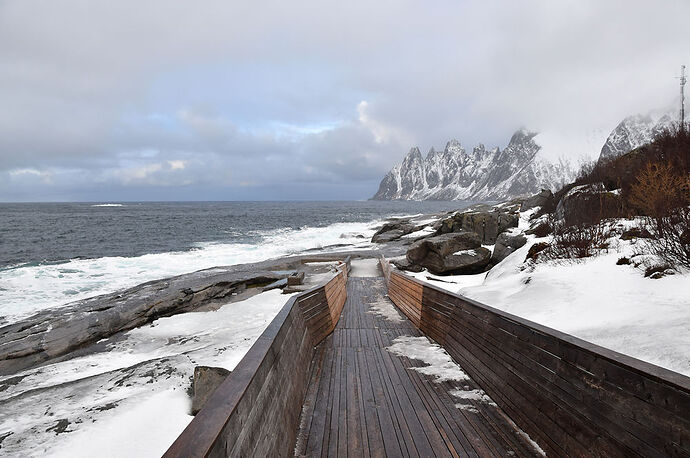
(55, 253)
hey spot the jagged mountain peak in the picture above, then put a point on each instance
(453, 145)
(482, 175)
(635, 131)
(414, 152)
(521, 135)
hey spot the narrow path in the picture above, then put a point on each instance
(365, 399)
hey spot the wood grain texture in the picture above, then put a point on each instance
(365, 401)
(256, 410)
(571, 396)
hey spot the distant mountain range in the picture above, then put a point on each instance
(454, 174)
(495, 174)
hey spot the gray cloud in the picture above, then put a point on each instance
(273, 99)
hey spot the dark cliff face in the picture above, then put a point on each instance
(482, 174)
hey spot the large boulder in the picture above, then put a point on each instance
(507, 243)
(405, 264)
(393, 231)
(206, 380)
(589, 204)
(537, 200)
(456, 252)
(486, 223)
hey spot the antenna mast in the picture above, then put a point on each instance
(683, 80)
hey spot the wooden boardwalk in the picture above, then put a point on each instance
(363, 400)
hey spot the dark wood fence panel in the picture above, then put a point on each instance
(572, 397)
(256, 410)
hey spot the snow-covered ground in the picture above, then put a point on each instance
(365, 268)
(130, 399)
(611, 305)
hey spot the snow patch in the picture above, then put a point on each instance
(525, 436)
(467, 407)
(141, 429)
(365, 268)
(384, 308)
(439, 363)
(129, 399)
(420, 233)
(594, 299)
(465, 252)
(473, 395)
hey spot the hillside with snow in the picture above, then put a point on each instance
(596, 299)
(635, 131)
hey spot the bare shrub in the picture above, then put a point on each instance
(577, 241)
(659, 189)
(671, 237)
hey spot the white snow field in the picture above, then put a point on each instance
(130, 398)
(594, 299)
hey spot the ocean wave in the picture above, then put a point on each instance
(30, 288)
(107, 205)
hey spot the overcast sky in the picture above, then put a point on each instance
(263, 100)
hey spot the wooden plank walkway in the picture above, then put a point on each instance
(365, 401)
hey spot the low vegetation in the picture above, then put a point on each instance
(652, 182)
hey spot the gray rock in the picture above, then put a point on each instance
(457, 252)
(295, 279)
(507, 243)
(588, 204)
(393, 231)
(206, 380)
(537, 200)
(486, 223)
(540, 229)
(53, 333)
(74, 329)
(404, 264)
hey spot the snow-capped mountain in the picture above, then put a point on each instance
(454, 174)
(635, 131)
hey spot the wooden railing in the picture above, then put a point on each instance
(256, 410)
(572, 397)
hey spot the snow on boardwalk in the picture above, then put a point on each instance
(381, 387)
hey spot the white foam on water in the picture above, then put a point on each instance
(25, 290)
(108, 205)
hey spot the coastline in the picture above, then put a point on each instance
(91, 378)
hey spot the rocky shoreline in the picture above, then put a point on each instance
(463, 242)
(117, 352)
(57, 334)
(460, 242)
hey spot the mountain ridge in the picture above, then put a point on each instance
(482, 174)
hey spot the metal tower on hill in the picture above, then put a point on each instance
(683, 80)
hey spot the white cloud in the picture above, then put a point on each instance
(341, 90)
(177, 164)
